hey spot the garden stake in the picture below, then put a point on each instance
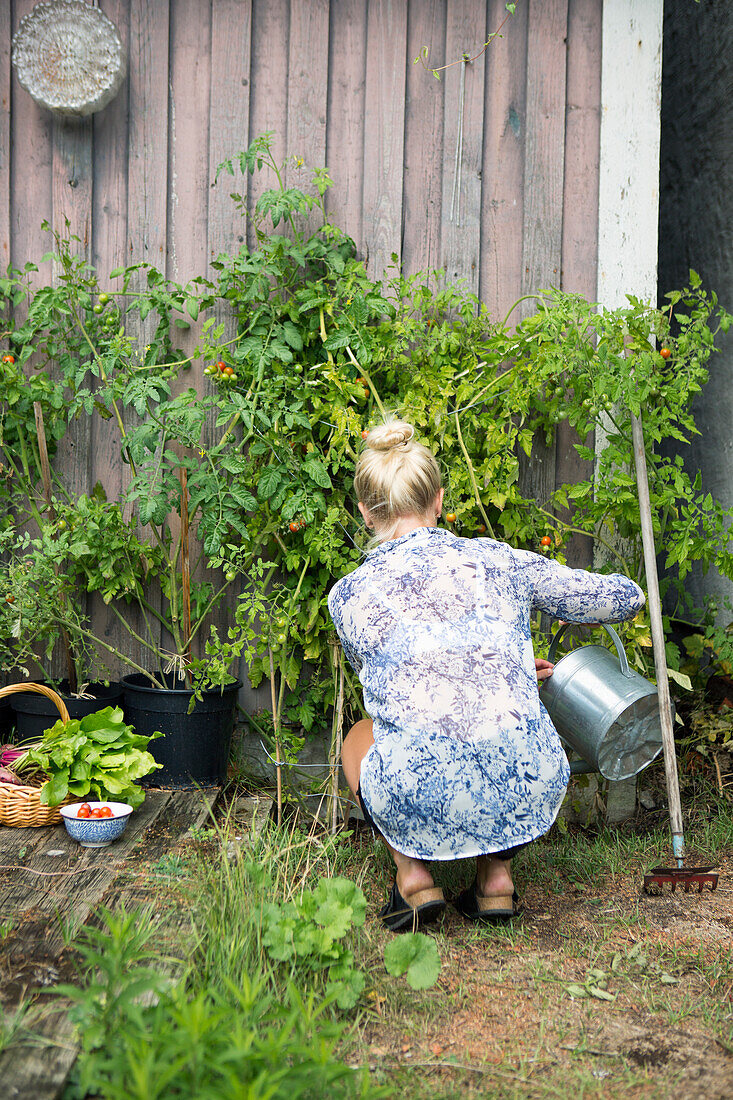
(185, 563)
(337, 733)
(679, 875)
(276, 727)
(46, 478)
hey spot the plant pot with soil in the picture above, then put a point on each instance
(196, 731)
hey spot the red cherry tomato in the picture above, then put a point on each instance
(545, 541)
(364, 434)
(665, 353)
(104, 811)
(8, 360)
(220, 365)
(84, 810)
(481, 529)
(294, 527)
(450, 517)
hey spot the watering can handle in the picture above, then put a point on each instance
(614, 638)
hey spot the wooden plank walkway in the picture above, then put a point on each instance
(49, 887)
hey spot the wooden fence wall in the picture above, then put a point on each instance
(336, 82)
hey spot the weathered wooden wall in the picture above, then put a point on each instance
(336, 82)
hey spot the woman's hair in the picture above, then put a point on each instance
(395, 476)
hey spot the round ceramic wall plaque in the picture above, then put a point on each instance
(69, 57)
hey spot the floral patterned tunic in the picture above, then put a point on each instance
(465, 758)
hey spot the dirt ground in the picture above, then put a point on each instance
(597, 990)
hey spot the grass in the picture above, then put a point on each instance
(500, 1023)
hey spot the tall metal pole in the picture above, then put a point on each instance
(660, 656)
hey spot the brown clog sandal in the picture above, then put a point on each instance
(473, 906)
(400, 915)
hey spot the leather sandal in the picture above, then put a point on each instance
(473, 906)
(400, 915)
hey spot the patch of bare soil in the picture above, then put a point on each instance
(503, 1014)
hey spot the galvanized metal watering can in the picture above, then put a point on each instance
(603, 709)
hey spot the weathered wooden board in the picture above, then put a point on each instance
(71, 199)
(502, 200)
(384, 131)
(543, 191)
(229, 100)
(188, 185)
(336, 83)
(463, 145)
(269, 89)
(39, 1071)
(31, 146)
(424, 156)
(5, 161)
(307, 75)
(580, 210)
(345, 129)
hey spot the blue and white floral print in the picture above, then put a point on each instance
(465, 758)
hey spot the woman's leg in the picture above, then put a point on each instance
(412, 874)
(494, 877)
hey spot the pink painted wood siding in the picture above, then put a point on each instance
(337, 83)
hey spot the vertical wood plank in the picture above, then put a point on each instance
(582, 146)
(580, 209)
(5, 166)
(545, 145)
(188, 144)
(71, 190)
(147, 205)
(148, 134)
(345, 124)
(464, 117)
(502, 203)
(543, 187)
(269, 88)
(30, 189)
(229, 104)
(229, 99)
(109, 240)
(307, 87)
(384, 131)
(109, 234)
(425, 160)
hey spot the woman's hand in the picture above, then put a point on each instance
(543, 669)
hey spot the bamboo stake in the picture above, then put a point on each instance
(660, 657)
(276, 725)
(46, 478)
(185, 564)
(337, 733)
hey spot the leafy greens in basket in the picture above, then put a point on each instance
(98, 755)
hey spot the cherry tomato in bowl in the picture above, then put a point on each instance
(96, 824)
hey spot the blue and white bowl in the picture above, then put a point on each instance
(96, 832)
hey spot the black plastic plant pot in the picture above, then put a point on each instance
(194, 748)
(7, 721)
(34, 713)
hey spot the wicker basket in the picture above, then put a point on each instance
(21, 807)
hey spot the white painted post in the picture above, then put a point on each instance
(628, 191)
(628, 195)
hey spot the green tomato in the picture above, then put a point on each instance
(231, 574)
(282, 639)
(103, 298)
(98, 308)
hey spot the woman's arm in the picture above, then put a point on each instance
(577, 594)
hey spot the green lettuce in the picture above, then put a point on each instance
(98, 755)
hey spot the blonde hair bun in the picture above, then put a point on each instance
(396, 476)
(396, 433)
